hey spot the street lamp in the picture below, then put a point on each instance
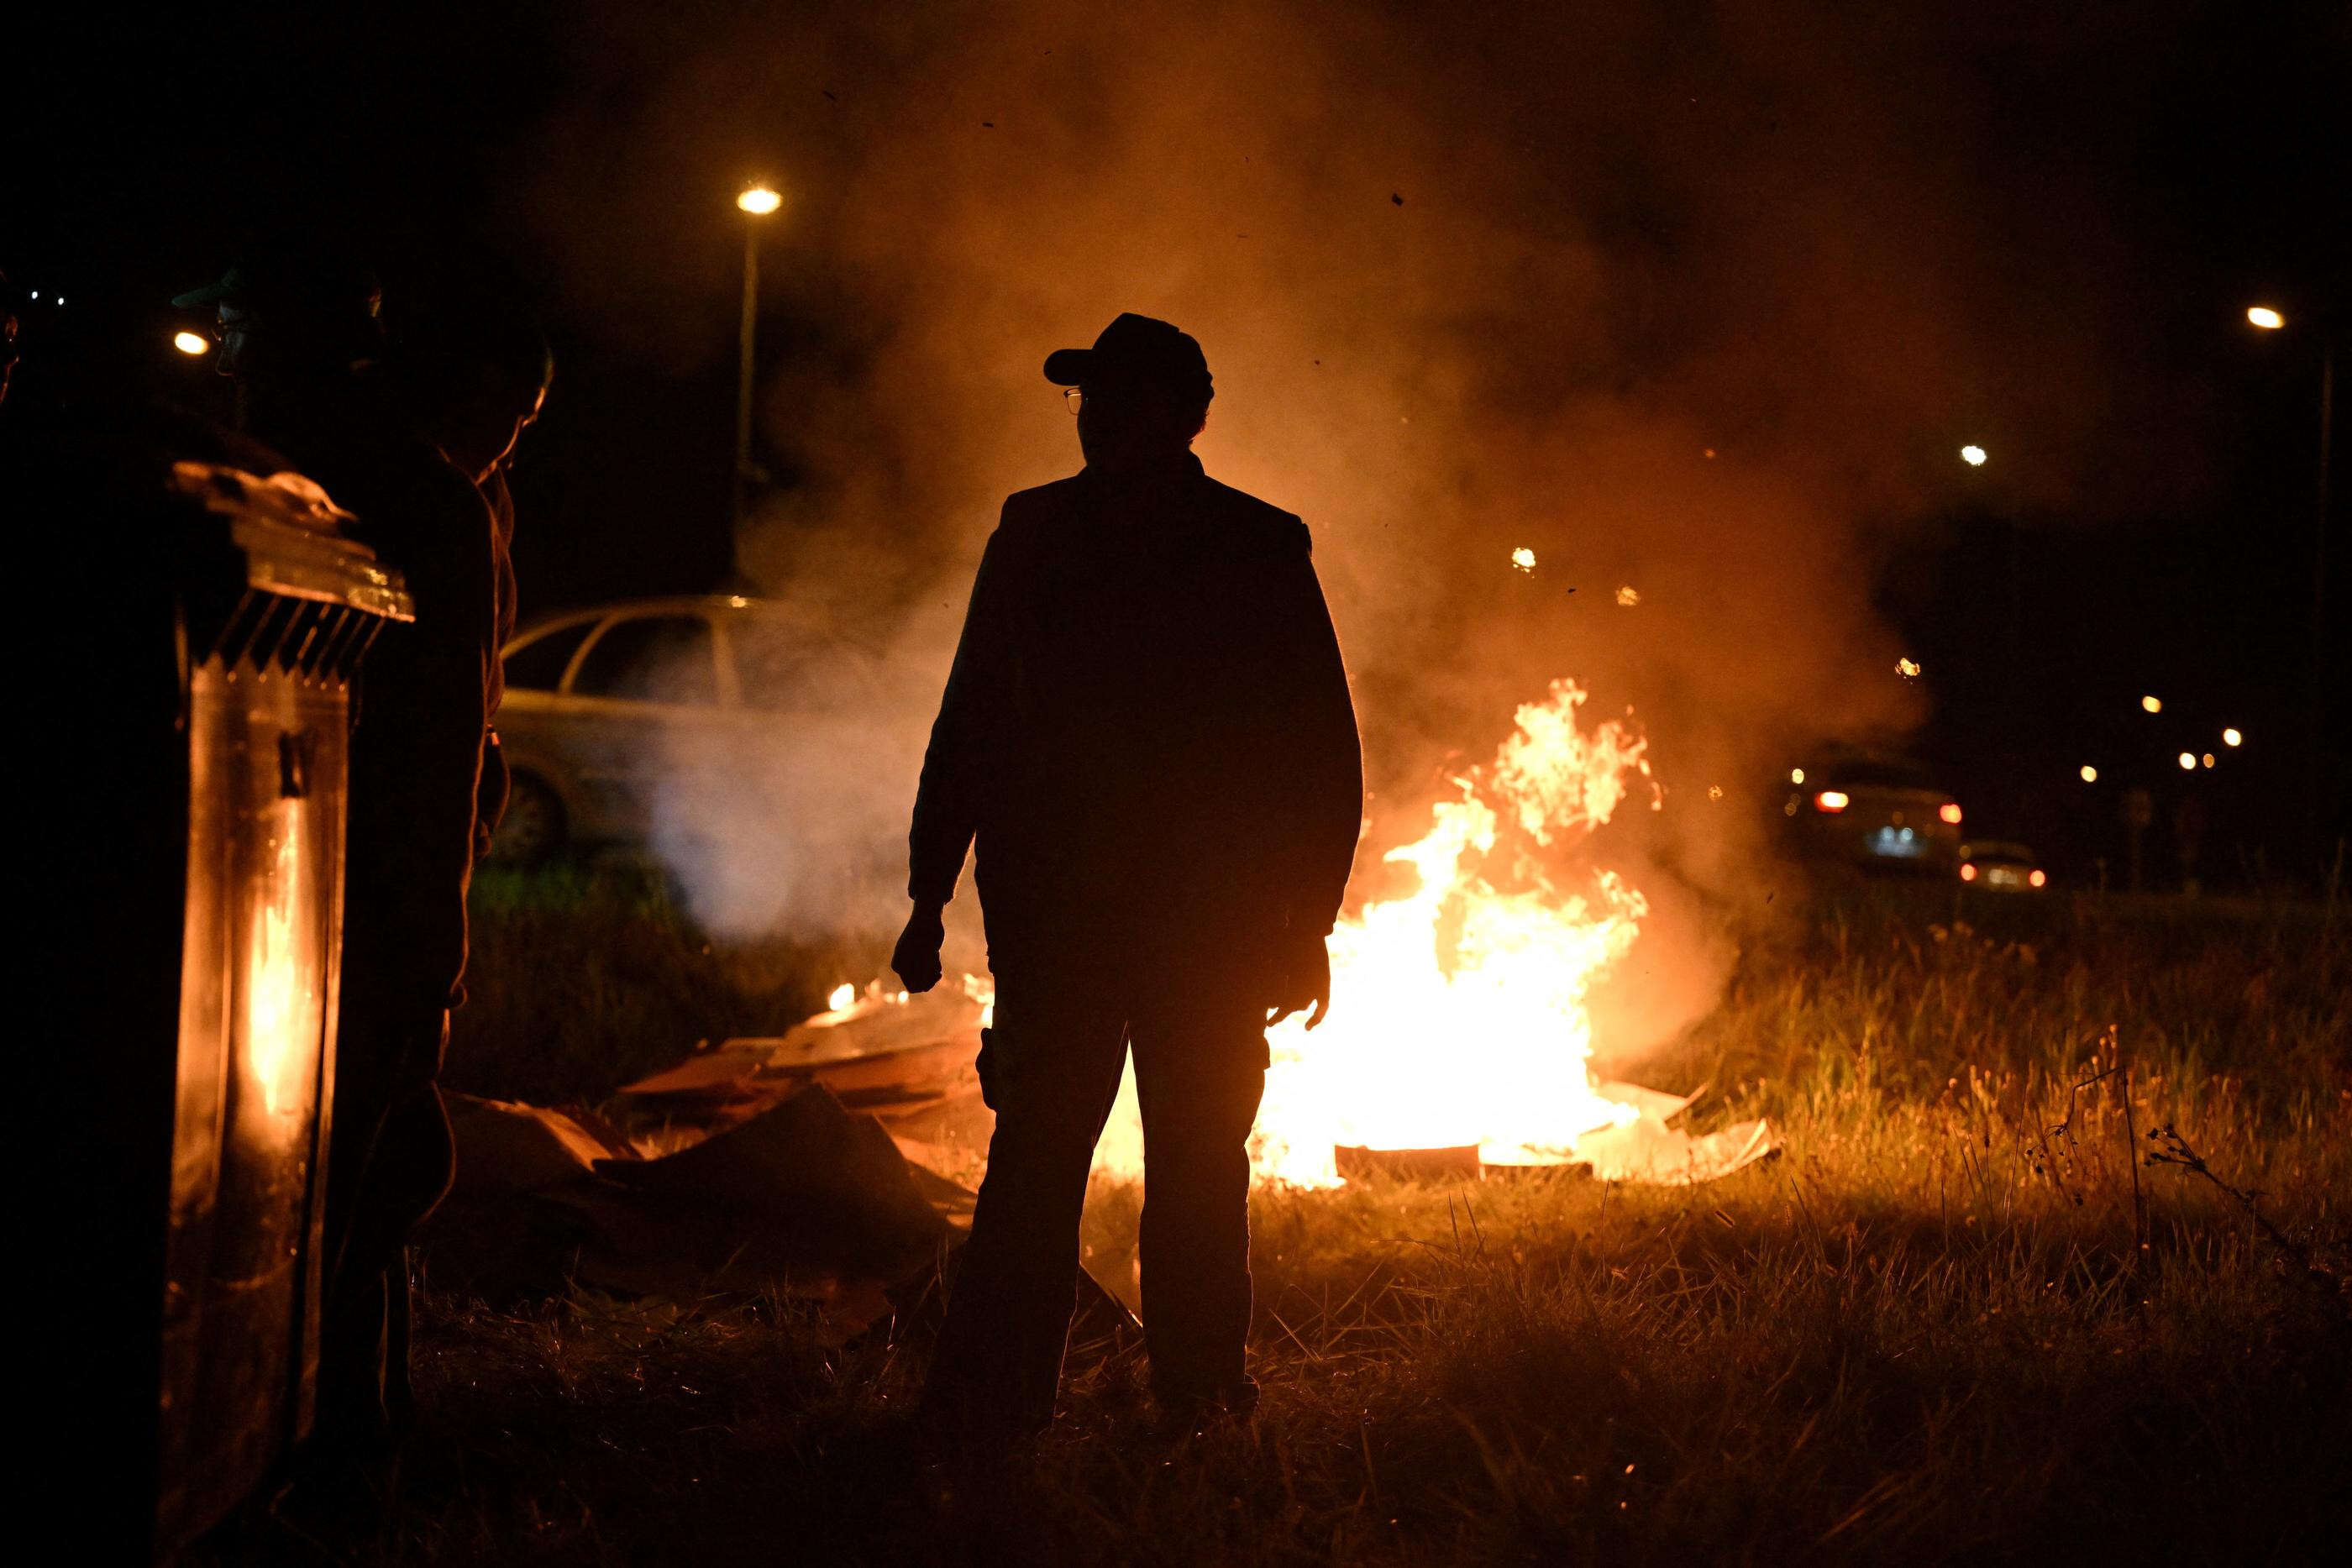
(1973, 456)
(757, 201)
(2263, 316)
(191, 343)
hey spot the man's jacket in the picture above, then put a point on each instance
(1147, 730)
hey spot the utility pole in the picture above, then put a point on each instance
(756, 203)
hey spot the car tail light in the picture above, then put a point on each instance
(2037, 878)
(1969, 871)
(1950, 811)
(1831, 801)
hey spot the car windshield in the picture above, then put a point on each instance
(652, 659)
(537, 663)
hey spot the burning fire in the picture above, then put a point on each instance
(1459, 1008)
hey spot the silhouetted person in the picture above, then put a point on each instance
(475, 373)
(1148, 732)
(300, 333)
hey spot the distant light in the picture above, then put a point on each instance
(1968, 870)
(1795, 776)
(1974, 456)
(1907, 668)
(759, 201)
(1950, 812)
(1628, 597)
(2231, 737)
(2263, 316)
(191, 343)
(1524, 558)
(2037, 878)
(738, 602)
(1715, 791)
(843, 995)
(1710, 452)
(1831, 800)
(2208, 759)
(2090, 774)
(2187, 761)
(37, 294)
(2152, 705)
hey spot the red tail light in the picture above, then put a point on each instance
(1969, 871)
(1831, 800)
(1950, 811)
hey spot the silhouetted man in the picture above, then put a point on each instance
(299, 331)
(1148, 734)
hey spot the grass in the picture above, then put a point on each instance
(1959, 1319)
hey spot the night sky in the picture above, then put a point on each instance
(2211, 140)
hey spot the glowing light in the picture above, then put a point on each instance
(759, 201)
(843, 995)
(1524, 558)
(2187, 761)
(1907, 668)
(191, 343)
(2037, 878)
(1973, 456)
(1715, 791)
(1969, 871)
(1492, 951)
(2152, 705)
(2263, 316)
(2090, 774)
(2207, 759)
(1950, 812)
(1795, 776)
(1628, 597)
(737, 601)
(2231, 737)
(1831, 801)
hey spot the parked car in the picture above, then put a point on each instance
(2000, 867)
(608, 709)
(1873, 813)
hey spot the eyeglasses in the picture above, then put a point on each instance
(1073, 399)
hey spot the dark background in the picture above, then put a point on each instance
(141, 156)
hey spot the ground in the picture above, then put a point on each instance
(1961, 1317)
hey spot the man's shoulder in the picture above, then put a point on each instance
(1256, 522)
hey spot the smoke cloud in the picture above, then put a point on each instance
(1695, 300)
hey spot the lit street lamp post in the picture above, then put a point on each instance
(2323, 785)
(756, 203)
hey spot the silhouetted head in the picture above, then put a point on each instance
(1143, 393)
(474, 372)
(291, 315)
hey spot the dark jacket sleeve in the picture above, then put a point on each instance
(946, 804)
(1325, 763)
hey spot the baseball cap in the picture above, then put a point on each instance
(1135, 351)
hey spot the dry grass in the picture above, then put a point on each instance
(1959, 1320)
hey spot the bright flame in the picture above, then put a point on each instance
(191, 343)
(2152, 705)
(759, 201)
(1907, 668)
(2090, 774)
(2231, 737)
(1524, 558)
(2263, 316)
(1973, 456)
(843, 995)
(1629, 597)
(1457, 1007)
(281, 1009)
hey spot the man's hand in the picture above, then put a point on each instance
(1303, 980)
(917, 955)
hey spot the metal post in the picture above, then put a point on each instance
(742, 480)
